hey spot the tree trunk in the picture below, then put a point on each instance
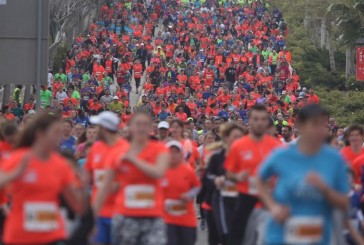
(350, 69)
(323, 32)
(6, 94)
(330, 48)
(27, 93)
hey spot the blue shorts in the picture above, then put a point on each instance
(103, 231)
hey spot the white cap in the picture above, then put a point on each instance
(116, 98)
(174, 143)
(284, 92)
(163, 124)
(106, 119)
(31, 112)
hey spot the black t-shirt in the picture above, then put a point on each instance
(230, 74)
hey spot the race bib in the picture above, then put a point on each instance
(229, 189)
(41, 217)
(304, 230)
(252, 182)
(99, 177)
(175, 207)
(140, 196)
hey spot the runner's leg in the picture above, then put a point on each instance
(243, 208)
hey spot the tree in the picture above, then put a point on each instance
(62, 14)
(349, 22)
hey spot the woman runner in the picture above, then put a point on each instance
(36, 176)
(139, 203)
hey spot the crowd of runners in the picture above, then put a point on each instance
(223, 139)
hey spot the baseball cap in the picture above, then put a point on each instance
(115, 97)
(31, 112)
(106, 119)
(284, 92)
(174, 143)
(163, 124)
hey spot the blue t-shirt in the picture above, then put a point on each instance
(290, 167)
(68, 144)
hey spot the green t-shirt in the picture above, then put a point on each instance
(287, 99)
(116, 107)
(85, 77)
(62, 76)
(76, 95)
(265, 54)
(107, 81)
(274, 58)
(254, 49)
(45, 97)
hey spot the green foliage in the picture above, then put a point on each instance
(342, 96)
(60, 56)
(346, 107)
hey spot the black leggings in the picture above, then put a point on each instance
(223, 210)
(243, 209)
(213, 234)
(137, 82)
(181, 235)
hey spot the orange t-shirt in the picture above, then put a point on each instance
(138, 70)
(178, 181)
(247, 155)
(34, 215)
(357, 166)
(96, 166)
(349, 155)
(139, 194)
(5, 151)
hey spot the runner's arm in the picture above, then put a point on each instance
(76, 198)
(264, 194)
(154, 171)
(103, 191)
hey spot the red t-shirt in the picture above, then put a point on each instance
(34, 215)
(96, 166)
(178, 181)
(139, 194)
(247, 155)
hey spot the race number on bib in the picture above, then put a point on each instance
(140, 196)
(99, 177)
(229, 189)
(304, 230)
(252, 185)
(41, 217)
(175, 207)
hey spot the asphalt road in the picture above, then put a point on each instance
(201, 237)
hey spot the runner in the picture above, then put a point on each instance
(37, 176)
(95, 166)
(310, 181)
(355, 137)
(180, 187)
(139, 206)
(221, 194)
(242, 161)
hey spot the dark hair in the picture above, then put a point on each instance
(40, 123)
(68, 121)
(258, 108)
(139, 112)
(227, 128)
(330, 138)
(354, 127)
(178, 122)
(309, 112)
(8, 129)
(287, 126)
